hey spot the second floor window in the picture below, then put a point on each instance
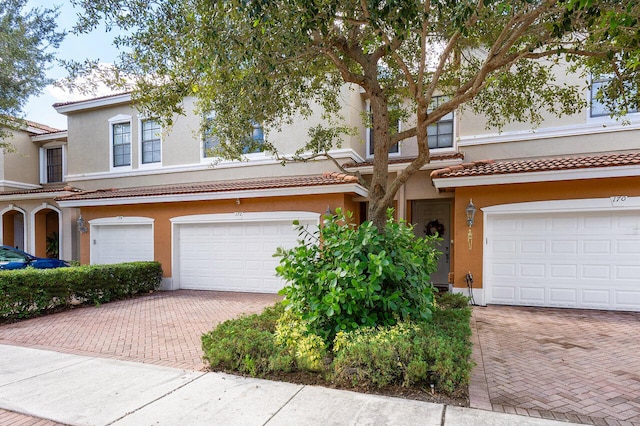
(54, 164)
(151, 142)
(441, 132)
(210, 141)
(598, 108)
(395, 149)
(121, 144)
(257, 140)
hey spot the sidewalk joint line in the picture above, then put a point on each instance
(158, 398)
(285, 404)
(444, 414)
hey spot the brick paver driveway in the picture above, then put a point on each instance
(162, 328)
(565, 364)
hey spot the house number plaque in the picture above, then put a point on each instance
(618, 200)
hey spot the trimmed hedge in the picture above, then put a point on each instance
(29, 292)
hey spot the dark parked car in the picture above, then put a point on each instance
(13, 258)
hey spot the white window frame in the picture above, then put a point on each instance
(203, 157)
(368, 136)
(43, 160)
(453, 129)
(142, 165)
(120, 119)
(218, 160)
(606, 118)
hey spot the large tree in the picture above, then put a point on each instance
(27, 43)
(271, 60)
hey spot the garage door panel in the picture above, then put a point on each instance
(563, 296)
(563, 224)
(238, 255)
(121, 243)
(582, 259)
(596, 298)
(532, 295)
(532, 247)
(628, 247)
(596, 272)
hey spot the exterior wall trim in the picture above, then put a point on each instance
(533, 177)
(593, 127)
(32, 225)
(19, 185)
(93, 103)
(25, 226)
(122, 220)
(209, 196)
(616, 202)
(204, 165)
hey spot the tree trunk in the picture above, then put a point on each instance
(378, 203)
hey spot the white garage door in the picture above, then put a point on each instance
(120, 241)
(581, 260)
(232, 255)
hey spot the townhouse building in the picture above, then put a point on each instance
(546, 217)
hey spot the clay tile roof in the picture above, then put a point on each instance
(407, 160)
(490, 167)
(211, 187)
(47, 189)
(43, 127)
(59, 104)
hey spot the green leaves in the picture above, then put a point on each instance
(27, 43)
(357, 276)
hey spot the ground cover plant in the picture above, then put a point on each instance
(359, 312)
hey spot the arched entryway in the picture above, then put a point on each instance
(13, 227)
(46, 223)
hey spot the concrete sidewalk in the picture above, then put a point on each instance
(81, 390)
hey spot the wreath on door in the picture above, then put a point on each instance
(435, 227)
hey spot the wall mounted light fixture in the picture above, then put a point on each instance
(471, 212)
(81, 227)
(328, 211)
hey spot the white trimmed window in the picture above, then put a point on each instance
(209, 140)
(598, 107)
(150, 142)
(440, 133)
(120, 141)
(52, 163)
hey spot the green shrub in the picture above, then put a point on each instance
(448, 300)
(408, 354)
(308, 350)
(247, 345)
(343, 277)
(411, 354)
(29, 292)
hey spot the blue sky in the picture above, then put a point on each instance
(96, 45)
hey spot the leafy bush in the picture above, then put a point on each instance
(411, 354)
(309, 350)
(29, 292)
(408, 354)
(247, 345)
(344, 277)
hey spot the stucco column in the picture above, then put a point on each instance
(69, 241)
